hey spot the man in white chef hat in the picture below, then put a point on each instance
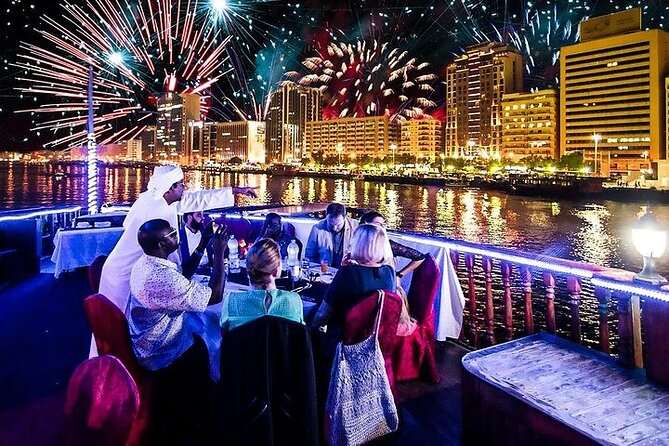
(164, 198)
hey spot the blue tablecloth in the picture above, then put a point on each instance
(76, 248)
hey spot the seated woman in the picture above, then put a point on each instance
(263, 264)
(365, 272)
(407, 325)
(273, 228)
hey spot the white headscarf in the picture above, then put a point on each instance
(163, 178)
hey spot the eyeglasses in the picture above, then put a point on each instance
(172, 233)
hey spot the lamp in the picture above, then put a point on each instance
(650, 240)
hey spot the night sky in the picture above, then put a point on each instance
(273, 37)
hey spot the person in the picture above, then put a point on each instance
(330, 238)
(164, 197)
(263, 264)
(191, 241)
(407, 324)
(273, 228)
(166, 329)
(365, 273)
(398, 250)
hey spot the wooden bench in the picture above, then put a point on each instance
(545, 390)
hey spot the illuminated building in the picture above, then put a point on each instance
(475, 84)
(134, 149)
(530, 125)
(174, 112)
(223, 141)
(421, 139)
(291, 107)
(148, 137)
(193, 142)
(352, 138)
(612, 93)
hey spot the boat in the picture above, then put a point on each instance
(559, 185)
(478, 401)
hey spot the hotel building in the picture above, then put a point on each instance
(355, 138)
(612, 93)
(291, 107)
(148, 137)
(223, 141)
(475, 84)
(422, 139)
(134, 149)
(530, 125)
(174, 112)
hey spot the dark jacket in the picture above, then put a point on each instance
(268, 388)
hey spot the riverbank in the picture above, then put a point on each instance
(549, 187)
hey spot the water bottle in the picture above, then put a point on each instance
(233, 255)
(293, 252)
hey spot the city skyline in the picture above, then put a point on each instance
(525, 26)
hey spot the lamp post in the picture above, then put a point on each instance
(340, 149)
(393, 147)
(92, 154)
(596, 137)
(650, 240)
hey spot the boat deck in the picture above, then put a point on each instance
(44, 336)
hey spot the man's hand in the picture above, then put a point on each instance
(248, 191)
(207, 233)
(219, 245)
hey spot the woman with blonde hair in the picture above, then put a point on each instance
(366, 271)
(263, 265)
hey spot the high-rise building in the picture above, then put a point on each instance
(174, 112)
(291, 107)
(148, 137)
(223, 141)
(421, 139)
(193, 142)
(612, 96)
(475, 84)
(134, 147)
(530, 125)
(351, 138)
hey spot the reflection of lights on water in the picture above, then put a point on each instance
(496, 223)
(555, 209)
(422, 222)
(352, 194)
(339, 191)
(445, 211)
(323, 192)
(389, 206)
(311, 190)
(592, 242)
(469, 228)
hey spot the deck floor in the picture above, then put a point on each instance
(44, 336)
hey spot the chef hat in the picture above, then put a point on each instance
(163, 178)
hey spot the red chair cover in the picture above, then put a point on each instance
(101, 404)
(359, 323)
(414, 357)
(94, 273)
(110, 329)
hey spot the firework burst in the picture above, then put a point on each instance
(137, 51)
(368, 78)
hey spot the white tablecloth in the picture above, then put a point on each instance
(79, 247)
(450, 300)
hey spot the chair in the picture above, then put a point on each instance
(414, 357)
(102, 403)
(95, 271)
(359, 323)
(110, 329)
(268, 384)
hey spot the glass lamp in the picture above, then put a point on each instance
(650, 240)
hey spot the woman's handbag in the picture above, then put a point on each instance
(360, 405)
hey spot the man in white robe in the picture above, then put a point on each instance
(164, 198)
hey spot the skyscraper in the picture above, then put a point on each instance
(530, 124)
(148, 137)
(174, 112)
(612, 93)
(421, 139)
(290, 108)
(475, 84)
(245, 140)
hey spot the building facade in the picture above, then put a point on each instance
(612, 97)
(475, 85)
(530, 125)
(223, 141)
(291, 107)
(422, 139)
(352, 138)
(174, 112)
(134, 149)
(148, 137)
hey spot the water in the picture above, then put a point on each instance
(591, 231)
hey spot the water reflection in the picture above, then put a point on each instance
(597, 232)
